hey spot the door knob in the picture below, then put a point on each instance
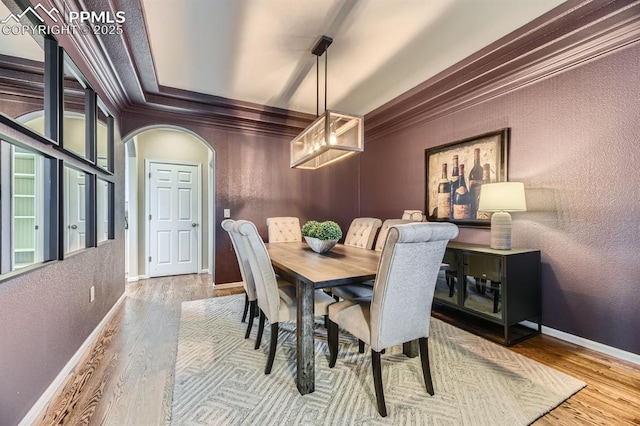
(194, 225)
(74, 226)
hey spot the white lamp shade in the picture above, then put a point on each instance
(502, 196)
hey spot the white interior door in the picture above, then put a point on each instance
(75, 209)
(173, 218)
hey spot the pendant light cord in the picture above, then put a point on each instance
(326, 59)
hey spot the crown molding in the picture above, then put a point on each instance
(569, 35)
(163, 109)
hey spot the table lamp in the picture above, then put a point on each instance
(502, 198)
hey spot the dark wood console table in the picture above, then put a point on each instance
(484, 288)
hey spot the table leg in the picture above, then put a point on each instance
(304, 338)
(410, 349)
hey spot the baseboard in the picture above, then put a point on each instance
(61, 378)
(586, 343)
(132, 279)
(204, 271)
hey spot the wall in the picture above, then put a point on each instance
(46, 315)
(171, 145)
(254, 181)
(574, 140)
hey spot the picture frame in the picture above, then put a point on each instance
(446, 199)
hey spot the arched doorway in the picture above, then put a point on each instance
(167, 148)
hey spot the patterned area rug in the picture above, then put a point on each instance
(220, 380)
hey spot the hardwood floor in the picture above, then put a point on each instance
(127, 376)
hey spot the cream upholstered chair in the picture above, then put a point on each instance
(362, 292)
(240, 248)
(277, 304)
(403, 292)
(384, 230)
(284, 229)
(413, 215)
(362, 232)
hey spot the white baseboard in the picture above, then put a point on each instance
(132, 279)
(60, 379)
(586, 343)
(204, 271)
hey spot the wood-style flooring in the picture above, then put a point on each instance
(125, 379)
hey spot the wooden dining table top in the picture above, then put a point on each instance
(341, 265)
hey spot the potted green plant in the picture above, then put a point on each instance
(321, 236)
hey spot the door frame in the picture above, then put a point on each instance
(147, 209)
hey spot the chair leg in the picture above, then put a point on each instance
(360, 346)
(246, 307)
(426, 369)
(332, 338)
(260, 329)
(377, 382)
(252, 313)
(272, 348)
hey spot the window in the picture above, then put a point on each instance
(104, 209)
(75, 129)
(75, 225)
(26, 188)
(104, 138)
(22, 58)
(52, 201)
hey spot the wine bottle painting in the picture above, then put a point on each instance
(455, 172)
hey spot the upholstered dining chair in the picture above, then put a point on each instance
(363, 291)
(283, 229)
(362, 232)
(240, 249)
(277, 304)
(400, 308)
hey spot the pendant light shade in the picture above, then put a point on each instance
(333, 136)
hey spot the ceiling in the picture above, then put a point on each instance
(259, 51)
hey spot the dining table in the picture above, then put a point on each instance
(309, 271)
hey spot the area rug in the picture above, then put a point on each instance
(220, 380)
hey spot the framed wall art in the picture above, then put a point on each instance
(456, 171)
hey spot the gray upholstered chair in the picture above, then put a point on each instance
(277, 304)
(400, 310)
(362, 292)
(245, 271)
(283, 229)
(413, 215)
(362, 232)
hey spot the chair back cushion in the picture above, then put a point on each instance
(413, 215)
(405, 282)
(239, 246)
(384, 230)
(263, 274)
(362, 232)
(284, 229)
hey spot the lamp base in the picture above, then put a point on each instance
(501, 231)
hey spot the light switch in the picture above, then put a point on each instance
(227, 213)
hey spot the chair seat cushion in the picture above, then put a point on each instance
(355, 292)
(288, 303)
(353, 317)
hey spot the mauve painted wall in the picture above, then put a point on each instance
(574, 144)
(253, 179)
(46, 314)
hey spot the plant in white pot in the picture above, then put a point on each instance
(321, 236)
